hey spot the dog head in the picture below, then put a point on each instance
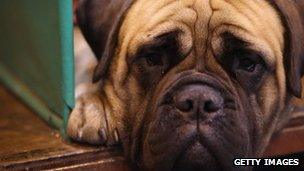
(195, 83)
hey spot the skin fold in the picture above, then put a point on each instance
(186, 84)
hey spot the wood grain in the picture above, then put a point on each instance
(28, 143)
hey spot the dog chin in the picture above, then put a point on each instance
(180, 136)
(193, 154)
(187, 146)
(196, 157)
(185, 149)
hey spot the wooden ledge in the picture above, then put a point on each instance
(28, 143)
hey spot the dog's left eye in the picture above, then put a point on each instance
(248, 68)
(247, 64)
(247, 61)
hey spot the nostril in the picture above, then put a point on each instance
(210, 106)
(185, 105)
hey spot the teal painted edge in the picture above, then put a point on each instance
(29, 97)
(67, 53)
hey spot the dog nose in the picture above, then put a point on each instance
(198, 99)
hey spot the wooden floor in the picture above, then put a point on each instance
(26, 142)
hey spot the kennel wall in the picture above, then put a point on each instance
(36, 55)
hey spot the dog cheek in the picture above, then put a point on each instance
(269, 98)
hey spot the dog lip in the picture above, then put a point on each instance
(205, 136)
(194, 137)
(197, 154)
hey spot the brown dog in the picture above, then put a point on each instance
(190, 84)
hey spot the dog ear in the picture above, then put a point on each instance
(100, 21)
(292, 13)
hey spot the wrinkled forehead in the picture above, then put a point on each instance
(254, 21)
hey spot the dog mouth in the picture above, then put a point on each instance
(188, 148)
(197, 157)
(193, 137)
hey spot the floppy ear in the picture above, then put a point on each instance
(100, 21)
(292, 13)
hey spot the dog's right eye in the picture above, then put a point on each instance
(154, 59)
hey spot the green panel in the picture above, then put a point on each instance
(66, 30)
(36, 50)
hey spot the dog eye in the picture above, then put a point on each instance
(248, 68)
(247, 64)
(154, 59)
(247, 61)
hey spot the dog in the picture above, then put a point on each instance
(189, 84)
